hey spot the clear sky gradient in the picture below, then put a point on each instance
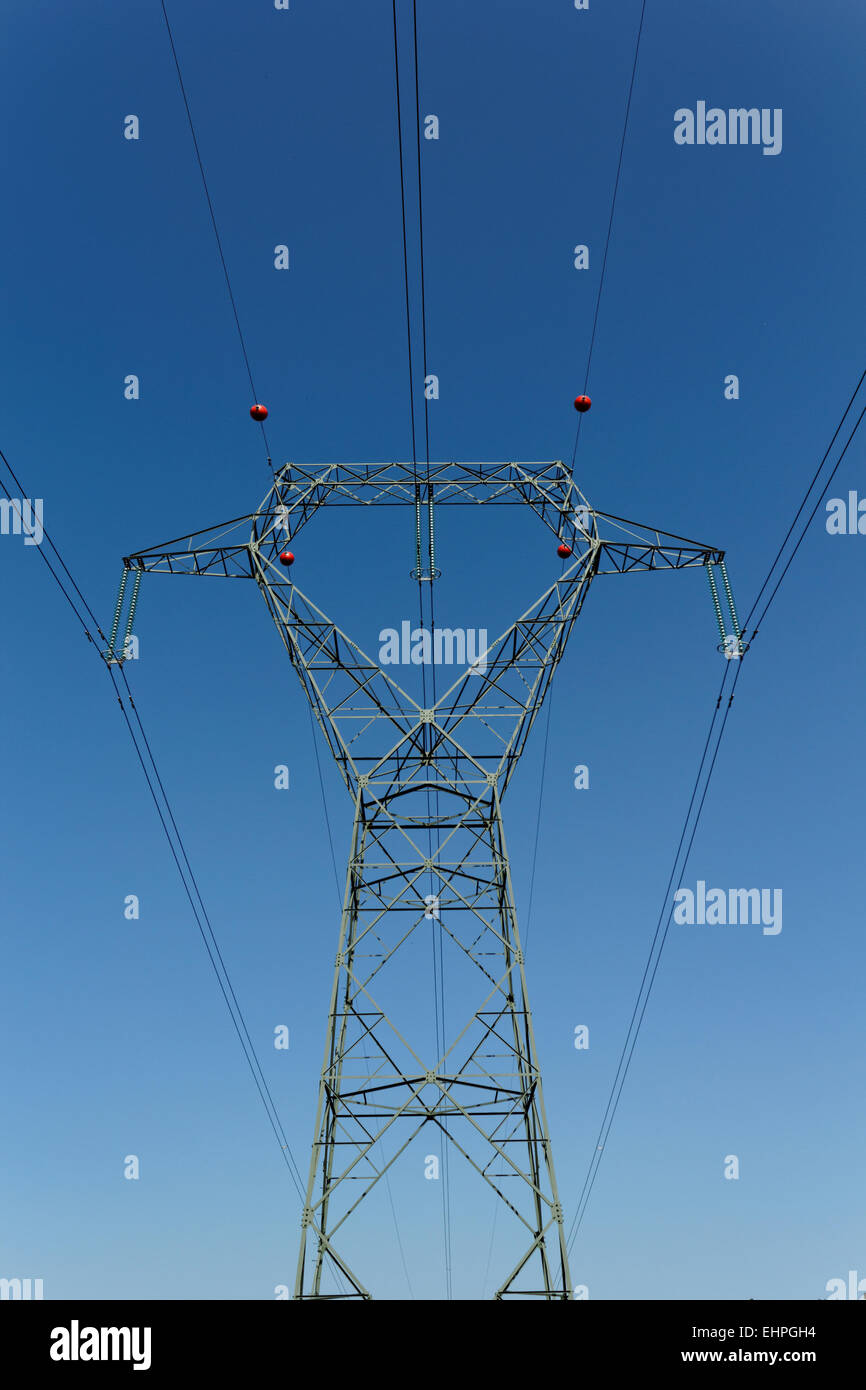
(114, 1037)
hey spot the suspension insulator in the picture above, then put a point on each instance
(259, 412)
(287, 558)
(563, 551)
(582, 404)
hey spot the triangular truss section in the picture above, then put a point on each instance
(428, 847)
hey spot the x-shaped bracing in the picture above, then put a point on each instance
(418, 775)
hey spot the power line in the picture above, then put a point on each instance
(17, 481)
(610, 223)
(573, 457)
(625, 1058)
(630, 1041)
(213, 219)
(649, 974)
(405, 244)
(438, 972)
(815, 477)
(248, 366)
(443, 1146)
(178, 852)
(267, 448)
(437, 935)
(421, 248)
(226, 989)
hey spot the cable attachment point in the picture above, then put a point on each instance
(420, 572)
(113, 655)
(732, 645)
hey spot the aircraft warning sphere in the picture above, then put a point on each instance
(563, 551)
(287, 558)
(259, 412)
(582, 403)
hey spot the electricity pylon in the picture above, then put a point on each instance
(418, 775)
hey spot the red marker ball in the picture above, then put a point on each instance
(563, 551)
(287, 558)
(582, 403)
(259, 412)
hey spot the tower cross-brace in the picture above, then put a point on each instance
(414, 773)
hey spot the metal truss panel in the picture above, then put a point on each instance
(428, 853)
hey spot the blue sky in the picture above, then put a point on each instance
(114, 1037)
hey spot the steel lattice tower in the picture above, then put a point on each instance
(427, 846)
